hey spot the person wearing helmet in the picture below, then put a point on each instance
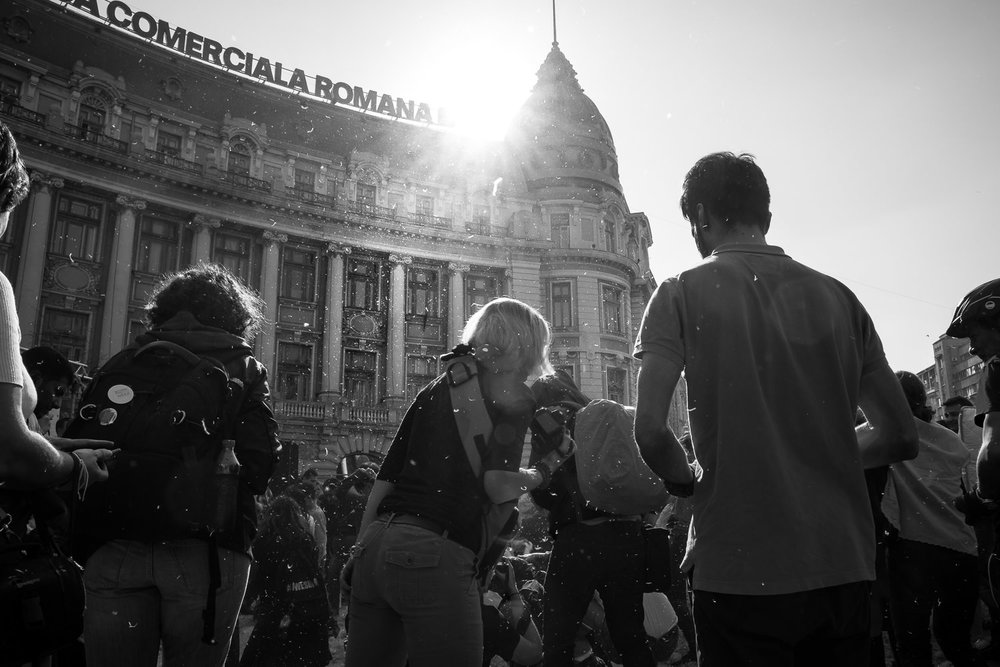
(978, 319)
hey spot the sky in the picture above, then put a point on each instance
(876, 122)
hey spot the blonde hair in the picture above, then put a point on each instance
(510, 335)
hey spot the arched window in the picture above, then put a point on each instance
(93, 116)
(239, 159)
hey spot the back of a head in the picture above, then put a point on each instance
(960, 401)
(557, 387)
(213, 295)
(282, 515)
(510, 335)
(14, 182)
(731, 187)
(48, 363)
(980, 305)
(916, 394)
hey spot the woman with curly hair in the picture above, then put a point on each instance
(292, 611)
(144, 587)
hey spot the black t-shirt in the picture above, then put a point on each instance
(429, 468)
(499, 636)
(992, 390)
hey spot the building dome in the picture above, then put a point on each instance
(560, 138)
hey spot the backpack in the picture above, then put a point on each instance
(167, 410)
(613, 476)
(498, 523)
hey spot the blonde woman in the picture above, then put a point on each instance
(413, 591)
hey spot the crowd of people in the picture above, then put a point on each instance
(815, 505)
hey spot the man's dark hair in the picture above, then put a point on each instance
(957, 400)
(557, 388)
(14, 182)
(50, 364)
(916, 395)
(309, 473)
(731, 187)
(213, 295)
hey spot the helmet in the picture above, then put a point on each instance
(981, 304)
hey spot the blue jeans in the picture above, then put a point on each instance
(141, 593)
(413, 596)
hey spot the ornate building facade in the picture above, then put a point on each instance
(370, 238)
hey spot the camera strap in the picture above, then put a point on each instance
(499, 522)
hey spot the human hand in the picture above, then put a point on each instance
(346, 573)
(96, 462)
(73, 444)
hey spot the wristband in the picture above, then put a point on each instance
(546, 474)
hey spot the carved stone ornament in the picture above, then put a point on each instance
(130, 202)
(42, 181)
(363, 325)
(338, 249)
(18, 29)
(401, 259)
(172, 88)
(72, 277)
(201, 221)
(454, 267)
(275, 237)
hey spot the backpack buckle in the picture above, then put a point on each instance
(460, 372)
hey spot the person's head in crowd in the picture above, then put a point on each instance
(978, 319)
(52, 375)
(302, 493)
(14, 182)
(213, 295)
(725, 196)
(557, 387)
(953, 411)
(916, 395)
(311, 477)
(281, 517)
(509, 337)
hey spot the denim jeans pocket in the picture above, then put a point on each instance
(416, 573)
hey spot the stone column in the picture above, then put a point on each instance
(114, 327)
(456, 301)
(333, 322)
(396, 348)
(31, 268)
(201, 250)
(269, 292)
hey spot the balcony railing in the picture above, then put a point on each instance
(371, 210)
(431, 220)
(244, 181)
(93, 135)
(340, 412)
(170, 160)
(312, 197)
(14, 110)
(300, 409)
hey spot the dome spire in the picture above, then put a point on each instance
(555, 42)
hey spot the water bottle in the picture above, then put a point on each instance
(227, 481)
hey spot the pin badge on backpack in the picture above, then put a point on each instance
(107, 416)
(120, 394)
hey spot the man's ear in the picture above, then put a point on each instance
(701, 215)
(767, 224)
